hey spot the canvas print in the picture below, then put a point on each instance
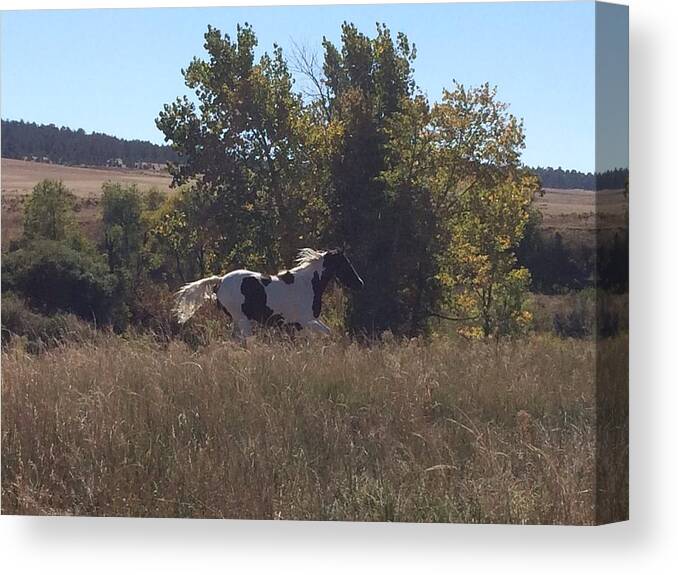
(355, 263)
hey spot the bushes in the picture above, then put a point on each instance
(38, 331)
(581, 314)
(54, 277)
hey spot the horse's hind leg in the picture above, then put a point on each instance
(242, 329)
(319, 327)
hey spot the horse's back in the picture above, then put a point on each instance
(258, 296)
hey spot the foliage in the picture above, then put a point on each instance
(430, 201)
(49, 212)
(559, 178)
(123, 226)
(555, 267)
(485, 283)
(483, 197)
(181, 233)
(75, 147)
(411, 163)
(366, 163)
(54, 277)
(242, 151)
(40, 332)
(372, 200)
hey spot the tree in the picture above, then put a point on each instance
(408, 177)
(123, 226)
(485, 284)
(242, 149)
(430, 202)
(49, 212)
(369, 82)
(484, 196)
(184, 232)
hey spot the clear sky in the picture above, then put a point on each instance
(112, 70)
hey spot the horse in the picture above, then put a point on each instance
(292, 299)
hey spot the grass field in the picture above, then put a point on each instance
(19, 177)
(446, 430)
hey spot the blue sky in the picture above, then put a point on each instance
(112, 70)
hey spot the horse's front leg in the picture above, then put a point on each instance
(319, 327)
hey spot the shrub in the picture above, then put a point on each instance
(38, 331)
(589, 312)
(54, 277)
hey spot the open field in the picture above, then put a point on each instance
(581, 215)
(448, 430)
(19, 177)
(570, 212)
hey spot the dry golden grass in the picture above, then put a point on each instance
(446, 430)
(19, 177)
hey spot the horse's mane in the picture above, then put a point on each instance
(307, 256)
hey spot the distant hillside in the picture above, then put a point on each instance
(571, 179)
(27, 140)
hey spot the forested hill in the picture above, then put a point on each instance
(559, 178)
(27, 140)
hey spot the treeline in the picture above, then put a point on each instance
(76, 147)
(572, 179)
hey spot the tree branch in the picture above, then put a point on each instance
(430, 313)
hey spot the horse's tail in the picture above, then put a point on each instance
(190, 297)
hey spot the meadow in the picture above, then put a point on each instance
(442, 429)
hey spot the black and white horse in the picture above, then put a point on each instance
(292, 299)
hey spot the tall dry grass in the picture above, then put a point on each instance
(445, 430)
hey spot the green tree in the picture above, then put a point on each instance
(408, 177)
(53, 276)
(431, 202)
(123, 226)
(242, 149)
(49, 212)
(369, 82)
(183, 230)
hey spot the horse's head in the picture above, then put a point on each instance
(337, 264)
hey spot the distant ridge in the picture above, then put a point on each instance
(61, 145)
(571, 179)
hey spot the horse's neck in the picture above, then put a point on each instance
(317, 275)
(308, 271)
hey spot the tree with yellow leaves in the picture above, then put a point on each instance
(483, 196)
